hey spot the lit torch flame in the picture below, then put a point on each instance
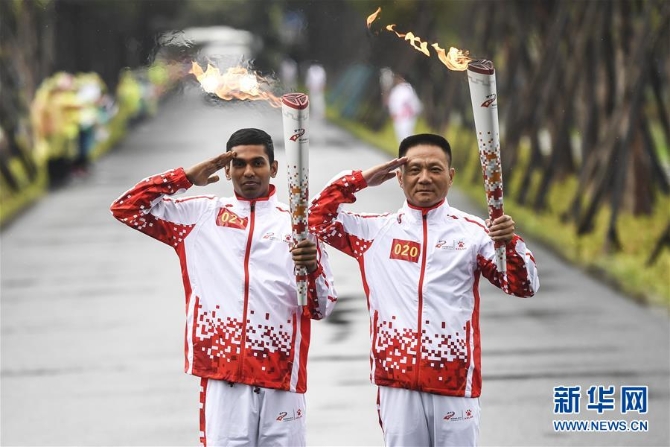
(372, 17)
(455, 59)
(235, 83)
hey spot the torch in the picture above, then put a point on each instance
(482, 81)
(295, 113)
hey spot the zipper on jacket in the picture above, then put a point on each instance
(247, 255)
(419, 343)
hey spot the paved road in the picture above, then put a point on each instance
(92, 317)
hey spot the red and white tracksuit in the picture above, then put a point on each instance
(421, 270)
(243, 323)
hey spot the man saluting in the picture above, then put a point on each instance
(246, 336)
(421, 267)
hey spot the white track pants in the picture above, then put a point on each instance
(243, 415)
(413, 418)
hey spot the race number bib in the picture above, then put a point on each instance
(405, 250)
(227, 218)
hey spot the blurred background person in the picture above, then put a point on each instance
(288, 72)
(385, 84)
(89, 87)
(61, 123)
(404, 107)
(315, 80)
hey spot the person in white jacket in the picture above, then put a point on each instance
(315, 80)
(404, 107)
(246, 336)
(421, 268)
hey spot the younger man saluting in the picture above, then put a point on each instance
(246, 336)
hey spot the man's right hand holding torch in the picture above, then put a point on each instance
(304, 254)
(501, 229)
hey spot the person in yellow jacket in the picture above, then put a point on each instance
(129, 95)
(59, 125)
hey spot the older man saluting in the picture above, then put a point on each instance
(421, 267)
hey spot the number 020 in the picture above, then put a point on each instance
(405, 249)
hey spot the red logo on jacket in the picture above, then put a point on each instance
(227, 218)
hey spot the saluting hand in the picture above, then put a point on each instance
(202, 174)
(304, 254)
(381, 173)
(501, 229)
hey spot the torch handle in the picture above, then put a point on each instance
(483, 94)
(301, 284)
(500, 247)
(295, 113)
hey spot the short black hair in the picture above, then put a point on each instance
(425, 138)
(252, 136)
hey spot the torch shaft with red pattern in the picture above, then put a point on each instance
(482, 82)
(295, 113)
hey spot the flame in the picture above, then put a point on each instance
(372, 17)
(456, 59)
(415, 41)
(235, 83)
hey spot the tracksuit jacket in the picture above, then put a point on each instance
(243, 323)
(420, 269)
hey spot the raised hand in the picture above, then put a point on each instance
(203, 173)
(381, 173)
